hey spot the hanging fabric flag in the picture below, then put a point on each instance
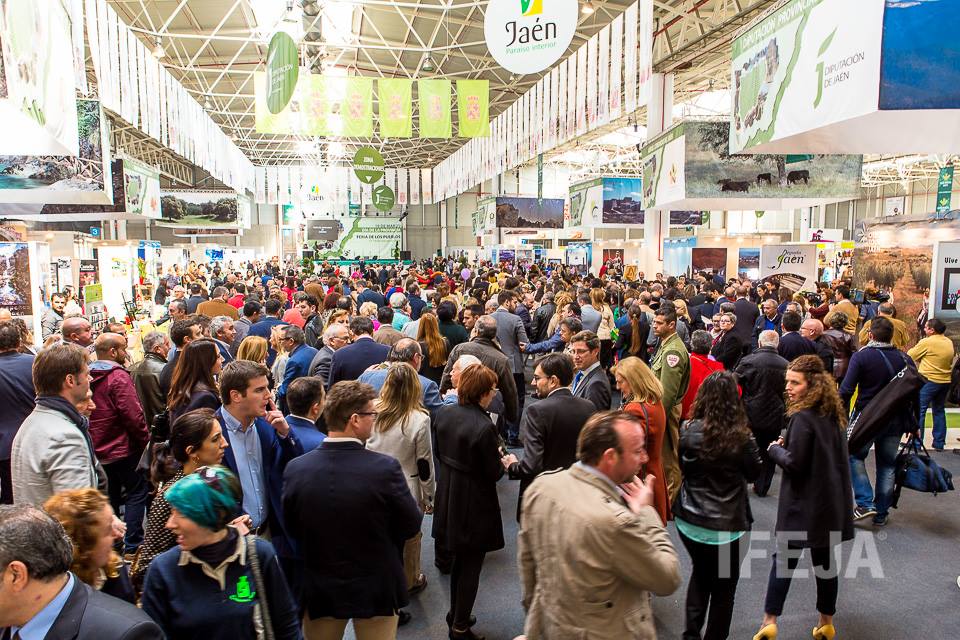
(283, 184)
(296, 186)
(603, 90)
(394, 104)
(473, 108)
(616, 66)
(414, 186)
(645, 51)
(260, 188)
(354, 188)
(581, 97)
(552, 107)
(271, 185)
(592, 46)
(563, 90)
(631, 26)
(402, 187)
(434, 98)
(426, 186)
(357, 107)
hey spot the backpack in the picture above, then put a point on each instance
(901, 391)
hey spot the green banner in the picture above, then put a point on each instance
(306, 114)
(945, 189)
(383, 198)
(394, 98)
(283, 67)
(473, 107)
(357, 108)
(368, 165)
(434, 98)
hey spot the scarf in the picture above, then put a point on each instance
(880, 345)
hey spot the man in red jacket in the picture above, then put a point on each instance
(119, 433)
(701, 366)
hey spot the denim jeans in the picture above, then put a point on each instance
(933, 395)
(885, 451)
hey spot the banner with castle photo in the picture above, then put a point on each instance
(835, 76)
(791, 266)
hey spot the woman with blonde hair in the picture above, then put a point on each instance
(598, 300)
(435, 347)
(643, 397)
(369, 310)
(339, 316)
(254, 349)
(87, 517)
(561, 300)
(402, 430)
(815, 499)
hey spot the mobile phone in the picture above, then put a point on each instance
(503, 451)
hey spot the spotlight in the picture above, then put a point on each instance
(158, 50)
(428, 65)
(207, 104)
(587, 8)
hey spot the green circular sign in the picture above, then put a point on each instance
(383, 198)
(368, 165)
(283, 69)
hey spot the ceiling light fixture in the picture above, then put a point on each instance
(428, 65)
(158, 50)
(207, 104)
(311, 8)
(587, 8)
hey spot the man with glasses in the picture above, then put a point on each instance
(350, 511)
(299, 358)
(335, 337)
(590, 382)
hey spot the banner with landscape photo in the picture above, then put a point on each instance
(198, 209)
(15, 278)
(529, 213)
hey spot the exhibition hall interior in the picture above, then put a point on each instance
(466, 319)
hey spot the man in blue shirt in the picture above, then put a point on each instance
(305, 401)
(40, 598)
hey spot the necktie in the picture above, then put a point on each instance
(576, 379)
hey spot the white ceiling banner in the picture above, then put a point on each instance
(402, 187)
(616, 66)
(569, 113)
(581, 97)
(603, 89)
(631, 26)
(528, 37)
(427, 186)
(271, 185)
(592, 46)
(552, 117)
(645, 51)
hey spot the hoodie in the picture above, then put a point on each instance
(117, 425)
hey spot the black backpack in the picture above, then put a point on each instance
(900, 392)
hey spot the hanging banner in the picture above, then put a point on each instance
(603, 90)
(945, 189)
(528, 213)
(414, 187)
(383, 198)
(592, 45)
(791, 266)
(552, 118)
(282, 70)
(586, 202)
(434, 96)
(307, 113)
(402, 187)
(364, 237)
(38, 92)
(473, 108)
(528, 36)
(616, 66)
(356, 110)
(141, 185)
(568, 113)
(197, 209)
(582, 92)
(631, 27)
(395, 99)
(426, 184)
(368, 165)
(645, 52)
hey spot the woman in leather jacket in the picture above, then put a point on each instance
(718, 457)
(843, 345)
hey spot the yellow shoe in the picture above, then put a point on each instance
(768, 632)
(826, 632)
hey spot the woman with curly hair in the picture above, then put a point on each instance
(87, 517)
(369, 310)
(718, 456)
(815, 496)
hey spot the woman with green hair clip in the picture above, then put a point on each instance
(217, 583)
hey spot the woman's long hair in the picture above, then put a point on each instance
(644, 386)
(821, 396)
(598, 299)
(719, 407)
(400, 396)
(254, 349)
(78, 510)
(194, 366)
(189, 431)
(638, 340)
(428, 331)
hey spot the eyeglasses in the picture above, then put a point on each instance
(368, 413)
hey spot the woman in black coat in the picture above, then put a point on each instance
(466, 519)
(193, 385)
(718, 456)
(815, 496)
(727, 347)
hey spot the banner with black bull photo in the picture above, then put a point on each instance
(791, 266)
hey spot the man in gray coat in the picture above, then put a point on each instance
(510, 334)
(334, 337)
(53, 451)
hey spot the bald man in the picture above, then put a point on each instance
(812, 330)
(119, 433)
(77, 330)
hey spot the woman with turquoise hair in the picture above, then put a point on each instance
(216, 583)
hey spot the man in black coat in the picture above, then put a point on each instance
(551, 426)
(40, 596)
(540, 321)
(590, 381)
(350, 510)
(747, 314)
(762, 376)
(351, 361)
(792, 344)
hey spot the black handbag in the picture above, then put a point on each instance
(915, 469)
(900, 392)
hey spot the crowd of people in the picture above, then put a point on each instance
(264, 469)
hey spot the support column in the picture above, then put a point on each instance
(656, 224)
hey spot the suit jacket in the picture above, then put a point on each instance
(298, 365)
(580, 517)
(793, 345)
(306, 433)
(549, 429)
(491, 357)
(762, 377)
(387, 335)
(320, 365)
(595, 387)
(350, 511)
(277, 453)
(369, 295)
(352, 360)
(16, 396)
(747, 314)
(728, 350)
(91, 615)
(217, 307)
(146, 379)
(510, 333)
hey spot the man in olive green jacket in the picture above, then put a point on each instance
(591, 546)
(671, 365)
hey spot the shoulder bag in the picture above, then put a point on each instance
(915, 469)
(254, 559)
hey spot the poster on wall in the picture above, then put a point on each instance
(89, 272)
(198, 209)
(748, 263)
(709, 259)
(37, 92)
(62, 179)
(945, 295)
(141, 186)
(324, 231)
(376, 238)
(586, 203)
(835, 260)
(678, 255)
(790, 266)
(622, 201)
(15, 294)
(529, 213)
